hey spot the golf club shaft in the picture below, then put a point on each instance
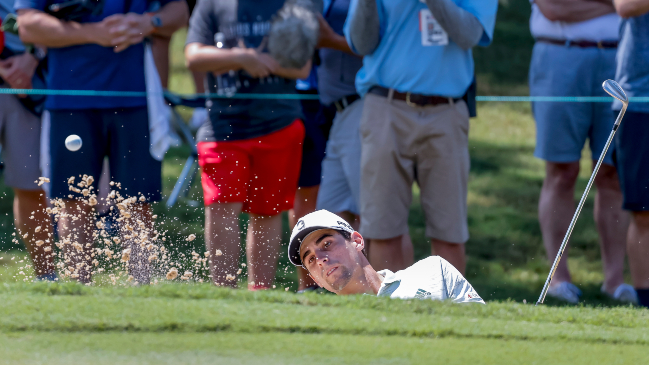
(580, 206)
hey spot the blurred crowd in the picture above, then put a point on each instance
(388, 91)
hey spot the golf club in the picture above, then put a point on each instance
(613, 89)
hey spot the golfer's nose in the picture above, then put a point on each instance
(322, 260)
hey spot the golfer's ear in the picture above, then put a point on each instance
(358, 241)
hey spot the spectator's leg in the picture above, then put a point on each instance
(262, 248)
(76, 225)
(612, 224)
(103, 189)
(388, 254)
(556, 208)
(26, 202)
(305, 200)
(454, 253)
(138, 264)
(408, 250)
(222, 233)
(387, 175)
(406, 247)
(638, 250)
(20, 134)
(443, 164)
(305, 203)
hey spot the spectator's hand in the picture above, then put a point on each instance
(127, 29)
(18, 71)
(268, 60)
(255, 63)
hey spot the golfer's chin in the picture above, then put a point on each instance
(339, 279)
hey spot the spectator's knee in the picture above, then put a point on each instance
(607, 178)
(561, 175)
(641, 218)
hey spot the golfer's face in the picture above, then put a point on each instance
(329, 259)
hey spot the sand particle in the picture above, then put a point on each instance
(172, 274)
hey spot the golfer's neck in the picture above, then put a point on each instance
(367, 281)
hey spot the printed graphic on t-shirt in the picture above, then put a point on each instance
(432, 33)
(227, 24)
(422, 294)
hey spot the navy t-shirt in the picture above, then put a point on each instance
(232, 23)
(93, 67)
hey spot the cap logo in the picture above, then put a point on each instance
(344, 224)
(300, 224)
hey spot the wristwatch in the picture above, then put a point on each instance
(38, 52)
(156, 21)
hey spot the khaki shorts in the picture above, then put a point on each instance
(20, 136)
(403, 144)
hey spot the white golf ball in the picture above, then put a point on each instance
(73, 142)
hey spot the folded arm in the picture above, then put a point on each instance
(462, 27)
(365, 27)
(631, 8)
(174, 16)
(119, 30)
(38, 27)
(574, 10)
(205, 58)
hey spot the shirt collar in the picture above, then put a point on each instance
(388, 276)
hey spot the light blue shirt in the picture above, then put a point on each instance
(11, 40)
(633, 61)
(402, 61)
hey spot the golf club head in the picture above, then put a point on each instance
(615, 90)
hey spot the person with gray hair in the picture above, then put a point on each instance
(250, 150)
(417, 67)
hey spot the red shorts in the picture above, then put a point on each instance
(262, 173)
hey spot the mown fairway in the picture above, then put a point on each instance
(69, 323)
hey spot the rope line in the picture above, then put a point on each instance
(139, 94)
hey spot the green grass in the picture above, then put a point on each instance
(58, 323)
(284, 348)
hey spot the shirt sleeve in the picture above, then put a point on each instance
(202, 24)
(30, 4)
(485, 11)
(353, 6)
(458, 288)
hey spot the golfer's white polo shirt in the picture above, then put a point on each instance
(431, 278)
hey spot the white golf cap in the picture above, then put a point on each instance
(322, 219)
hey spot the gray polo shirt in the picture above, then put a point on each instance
(431, 278)
(633, 61)
(337, 70)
